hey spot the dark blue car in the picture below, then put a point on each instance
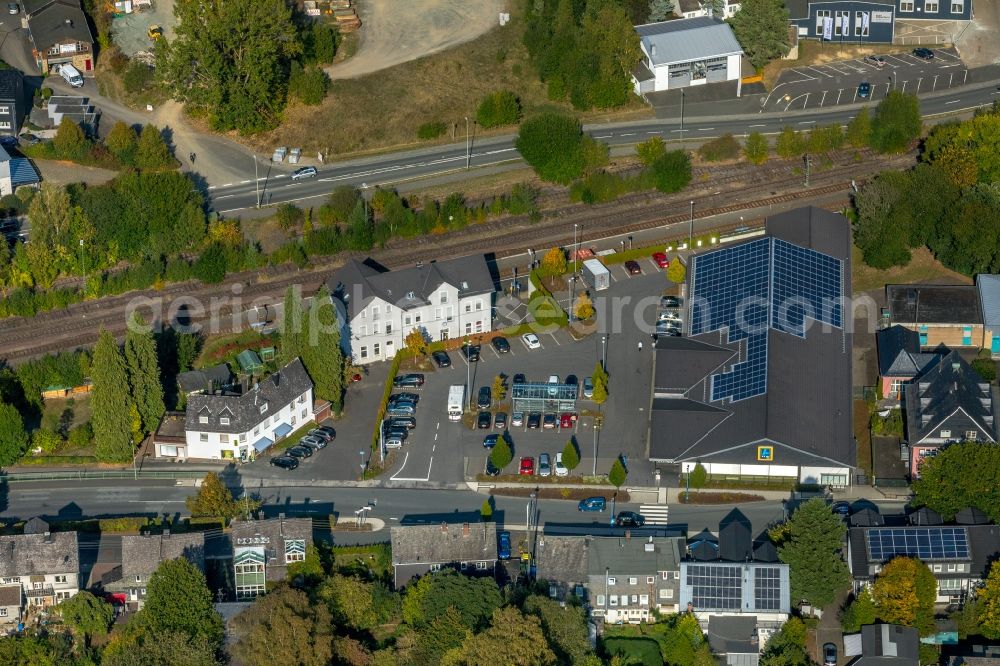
(592, 504)
(503, 546)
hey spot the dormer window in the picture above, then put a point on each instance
(203, 415)
(263, 408)
(223, 420)
(409, 295)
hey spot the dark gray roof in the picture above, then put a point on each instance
(764, 550)
(562, 558)
(68, 101)
(805, 413)
(683, 362)
(207, 380)
(243, 411)
(10, 595)
(630, 555)
(911, 304)
(733, 634)
(11, 85)
(896, 346)
(703, 546)
(142, 554)
(989, 298)
(925, 516)
(685, 40)
(889, 645)
(735, 542)
(984, 546)
(271, 533)
(362, 281)
(952, 396)
(30, 554)
(867, 517)
(971, 516)
(36, 526)
(58, 21)
(641, 71)
(443, 544)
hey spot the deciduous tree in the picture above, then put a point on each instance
(70, 141)
(87, 615)
(790, 143)
(474, 599)
(416, 342)
(583, 309)
(813, 554)
(556, 148)
(671, 172)
(178, 599)
(109, 402)
(554, 262)
(565, 627)
(283, 627)
(896, 123)
(698, 477)
(213, 498)
(650, 150)
(756, 148)
(122, 142)
(499, 389)
(501, 107)
(151, 151)
(859, 130)
(761, 27)
(350, 601)
(13, 438)
(860, 612)
(904, 592)
(959, 476)
(138, 647)
(988, 603)
(512, 638)
(788, 646)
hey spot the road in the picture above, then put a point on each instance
(393, 169)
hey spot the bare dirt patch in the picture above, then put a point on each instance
(130, 31)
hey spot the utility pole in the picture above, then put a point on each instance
(808, 161)
(691, 228)
(682, 116)
(468, 145)
(256, 179)
(364, 197)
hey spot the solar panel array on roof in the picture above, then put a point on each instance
(767, 588)
(715, 587)
(926, 543)
(750, 288)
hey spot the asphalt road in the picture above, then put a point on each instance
(393, 169)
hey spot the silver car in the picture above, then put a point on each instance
(517, 420)
(544, 466)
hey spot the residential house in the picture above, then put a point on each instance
(240, 425)
(908, 22)
(15, 172)
(442, 299)
(263, 550)
(900, 359)
(59, 34)
(143, 554)
(763, 391)
(12, 102)
(629, 578)
(950, 402)
(883, 645)
(941, 314)
(686, 52)
(422, 549)
(76, 108)
(989, 302)
(45, 565)
(694, 8)
(11, 603)
(210, 380)
(561, 561)
(959, 555)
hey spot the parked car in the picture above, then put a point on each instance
(409, 380)
(330, 432)
(566, 420)
(490, 441)
(517, 419)
(285, 462)
(397, 431)
(405, 396)
(304, 172)
(671, 301)
(842, 509)
(534, 420)
(500, 420)
(320, 434)
(299, 452)
(314, 443)
(518, 379)
(875, 60)
(491, 469)
(633, 267)
(527, 466)
(669, 315)
(441, 359)
(561, 469)
(629, 519)
(394, 443)
(588, 387)
(864, 90)
(503, 545)
(923, 53)
(661, 259)
(829, 654)
(485, 398)
(571, 380)
(471, 353)
(549, 422)
(592, 504)
(407, 422)
(531, 341)
(500, 344)
(13, 8)
(544, 466)
(484, 420)
(29, 139)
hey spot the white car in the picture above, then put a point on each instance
(560, 467)
(668, 316)
(531, 341)
(517, 420)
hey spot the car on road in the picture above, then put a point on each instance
(490, 441)
(484, 420)
(299, 452)
(517, 420)
(285, 462)
(633, 267)
(534, 420)
(661, 259)
(518, 379)
(864, 90)
(304, 172)
(829, 654)
(841, 508)
(441, 359)
(671, 301)
(500, 344)
(549, 422)
(588, 387)
(561, 469)
(503, 545)
(471, 353)
(592, 504)
(566, 420)
(544, 466)
(500, 420)
(407, 422)
(13, 8)
(491, 469)
(531, 341)
(527, 466)
(409, 380)
(629, 519)
(875, 61)
(923, 53)
(485, 398)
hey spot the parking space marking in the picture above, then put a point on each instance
(823, 99)
(624, 270)
(653, 264)
(555, 339)
(946, 54)
(819, 71)
(897, 59)
(839, 93)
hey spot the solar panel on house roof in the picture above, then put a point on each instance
(767, 588)
(715, 587)
(926, 543)
(750, 288)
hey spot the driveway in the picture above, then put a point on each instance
(394, 32)
(978, 44)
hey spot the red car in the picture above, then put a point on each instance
(527, 465)
(566, 420)
(660, 259)
(633, 267)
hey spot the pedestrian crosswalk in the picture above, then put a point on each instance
(655, 514)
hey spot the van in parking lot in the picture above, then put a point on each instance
(456, 402)
(72, 75)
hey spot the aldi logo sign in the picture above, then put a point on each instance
(765, 453)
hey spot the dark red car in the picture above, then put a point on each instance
(633, 267)
(527, 465)
(566, 420)
(660, 259)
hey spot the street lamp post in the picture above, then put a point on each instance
(682, 116)
(362, 462)
(594, 470)
(364, 197)
(576, 249)
(468, 146)
(256, 179)
(604, 352)
(83, 266)
(691, 227)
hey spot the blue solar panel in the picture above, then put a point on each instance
(925, 543)
(763, 284)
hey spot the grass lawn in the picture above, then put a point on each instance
(224, 348)
(863, 434)
(384, 109)
(923, 267)
(643, 651)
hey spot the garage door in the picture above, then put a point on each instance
(680, 79)
(716, 74)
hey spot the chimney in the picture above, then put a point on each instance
(444, 527)
(465, 529)
(166, 534)
(69, 22)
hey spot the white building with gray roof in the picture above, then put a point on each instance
(686, 52)
(142, 554)
(46, 566)
(423, 549)
(630, 577)
(444, 299)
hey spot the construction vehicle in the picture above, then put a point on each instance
(154, 32)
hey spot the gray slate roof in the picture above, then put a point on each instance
(57, 21)
(686, 40)
(360, 281)
(624, 556)
(989, 298)
(950, 393)
(11, 86)
(271, 533)
(899, 353)
(933, 304)
(562, 558)
(10, 595)
(984, 546)
(243, 411)
(142, 554)
(731, 634)
(443, 544)
(218, 376)
(889, 645)
(39, 554)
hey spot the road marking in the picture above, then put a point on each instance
(602, 136)
(823, 99)
(555, 339)
(676, 130)
(630, 134)
(806, 122)
(757, 125)
(656, 132)
(244, 182)
(705, 129)
(954, 101)
(655, 514)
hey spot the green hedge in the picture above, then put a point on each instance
(386, 392)
(58, 460)
(122, 524)
(206, 521)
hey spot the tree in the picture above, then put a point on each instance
(565, 627)
(651, 150)
(756, 149)
(178, 599)
(13, 438)
(474, 599)
(283, 628)
(988, 603)
(698, 477)
(553, 262)
(136, 647)
(151, 151)
(143, 373)
(859, 130)
(677, 271)
(501, 107)
(671, 172)
(122, 142)
(322, 354)
(512, 638)
(618, 473)
(660, 10)
(324, 43)
(87, 615)
(70, 141)
(213, 498)
(583, 309)
(499, 389)
(600, 390)
(230, 61)
(904, 592)
(789, 143)
(788, 646)
(416, 342)
(108, 401)
(570, 455)
(291, 328)
(985, 368)
(860, 612)
(959, 476)
(309, 84)
(761, 28)
(486, 511)
(501, 454)
(30, 649)
(351, 601)
(726, 147)
(556, 148)
(813, 554)
(896, 123)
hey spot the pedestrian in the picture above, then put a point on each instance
(640, 345)
(191, 158)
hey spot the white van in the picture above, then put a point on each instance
(72, 75)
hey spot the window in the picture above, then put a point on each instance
(468, 328)
(611, 581)
(138, 579)
(838, 23)
(277, 417)
(600, 599)
(937, 568)
(633, 580)
(256, 431)
(375, 313)
(377, 349)
(623, 600)
(437, 313)
(223, 420)
(243, 437)
(644, 599)
(435, 567)
(37, 586)
(203, 418)
(945, 434)
(416, 318)
(409, 295)
(614, 600)
(958, 7)
(464, 566)
(951, 568)
(635, 599)
(388, 329)
(263, 408)
(664, 575)
(450, 313)
(859, 28)
(142, 591)
(650, 579)
(482, 566)
(295, 550)
(60, 579)
(3, 611)
(293, 420)
(479, 327)
(304, 412)
(364, 352)
(931, 6)
(906, 5)
(388, 309)
(479, 304)
(468, 307)
(895, 387)
(666, 593)
(971, 435)
(407, 320)
(9, 581)
(203, 437)
(364, 330)
(820, 15)
(444, 297)
(443, 335)
(223, 438)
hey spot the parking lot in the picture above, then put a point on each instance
(829, 84)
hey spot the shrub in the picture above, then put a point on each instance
(756, 148)
(289, 216)
(556, 148)
(896, 123)
(723, 148)
(80, 436)
(137, 77)
(499, 108)
(210, 267)
(309, 84)
(790, 143)
(671, 171)
(70, 141)
(986, 368)
(431, 130)
(826, 138)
